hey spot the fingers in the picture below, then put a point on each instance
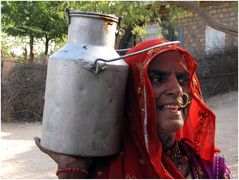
(38, 143)
(65, 160)
(53, 155)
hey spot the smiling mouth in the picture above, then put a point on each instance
(172, 108)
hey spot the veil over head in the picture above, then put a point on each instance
(142, 155)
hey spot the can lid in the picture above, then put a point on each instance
(111, 17)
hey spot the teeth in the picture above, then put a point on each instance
(171, 106)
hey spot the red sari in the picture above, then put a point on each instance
(141, 155)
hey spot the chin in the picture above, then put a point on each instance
(170, 126)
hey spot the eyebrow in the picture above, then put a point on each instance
(167, 73)
(158, 72)
(185, 73)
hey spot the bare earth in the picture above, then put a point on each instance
(20, 158)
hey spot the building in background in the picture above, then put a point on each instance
(196, 35)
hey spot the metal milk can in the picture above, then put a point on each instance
(84, 98)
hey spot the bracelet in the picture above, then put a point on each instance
(62, 170)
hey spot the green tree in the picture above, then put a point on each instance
(51, 22)
(9, 44)
(17, 20)
(46, 19)
(37, 19)
(34, 19)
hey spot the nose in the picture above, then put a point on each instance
(174, 89)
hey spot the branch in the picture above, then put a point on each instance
(191, 6)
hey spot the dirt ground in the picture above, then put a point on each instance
(20, 158)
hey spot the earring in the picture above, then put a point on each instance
(185, 100)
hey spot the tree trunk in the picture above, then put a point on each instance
(31, 58)
(46, 45)
(25, 54)
(44, 60)
(192, 6)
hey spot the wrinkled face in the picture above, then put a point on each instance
(169, 76)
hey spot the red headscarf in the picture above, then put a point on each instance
(142, 155)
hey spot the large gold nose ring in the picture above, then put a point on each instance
(185, 100)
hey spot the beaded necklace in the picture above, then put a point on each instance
(175, 155)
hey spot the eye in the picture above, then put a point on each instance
(183, 79)
(157, 79)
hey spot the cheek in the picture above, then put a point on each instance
(157, 90)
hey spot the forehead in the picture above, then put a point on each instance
(169, 60)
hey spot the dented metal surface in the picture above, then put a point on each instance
(83, 111)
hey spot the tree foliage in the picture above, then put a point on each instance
(34, 19)
(46, 19)
(51, 21)
(133, 13)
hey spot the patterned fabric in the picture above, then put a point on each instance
(201, 169)
(141, 155)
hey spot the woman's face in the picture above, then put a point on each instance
(169, 76)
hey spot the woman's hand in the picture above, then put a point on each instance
(66, 161)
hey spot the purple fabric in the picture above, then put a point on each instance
(216, 169)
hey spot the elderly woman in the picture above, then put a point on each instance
(169, 132)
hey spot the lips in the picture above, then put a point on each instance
(172, 107)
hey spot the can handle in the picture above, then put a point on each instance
(120, 32)
(97, 67)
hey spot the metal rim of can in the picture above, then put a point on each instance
(94, 15)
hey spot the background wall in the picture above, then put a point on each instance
(194, 29)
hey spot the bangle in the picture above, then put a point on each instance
(62, 170)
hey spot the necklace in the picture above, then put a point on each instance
(175, 155)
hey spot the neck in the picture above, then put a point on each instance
(167, 141)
